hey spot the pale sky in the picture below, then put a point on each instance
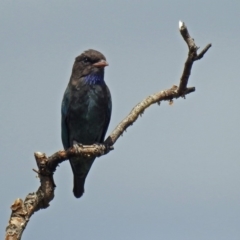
(175, 174)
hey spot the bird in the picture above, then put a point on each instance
(86, 111)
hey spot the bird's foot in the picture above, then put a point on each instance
(76, 145)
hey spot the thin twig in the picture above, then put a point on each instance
(192, 56)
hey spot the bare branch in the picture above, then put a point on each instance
(192, 56)
(23, 210)
(201, 54)
(139, 109)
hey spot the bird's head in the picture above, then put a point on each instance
(90, 62)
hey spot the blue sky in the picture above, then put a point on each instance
(175, 173)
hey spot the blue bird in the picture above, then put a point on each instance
(86, 111)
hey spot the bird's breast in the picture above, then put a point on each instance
(87, 114)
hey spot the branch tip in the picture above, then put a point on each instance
(180, 24)
(36, 171)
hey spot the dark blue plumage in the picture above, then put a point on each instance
(86, 111)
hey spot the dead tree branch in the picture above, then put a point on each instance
(23, 210)
(192, 56)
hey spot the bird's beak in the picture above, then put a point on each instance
(101, 64)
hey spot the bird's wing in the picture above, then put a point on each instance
(108, 114)
(64, 110)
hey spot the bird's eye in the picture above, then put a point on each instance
(86, 60)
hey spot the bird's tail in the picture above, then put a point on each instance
(78, 186)
(80, 167)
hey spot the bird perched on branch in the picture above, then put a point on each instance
(86, 111)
